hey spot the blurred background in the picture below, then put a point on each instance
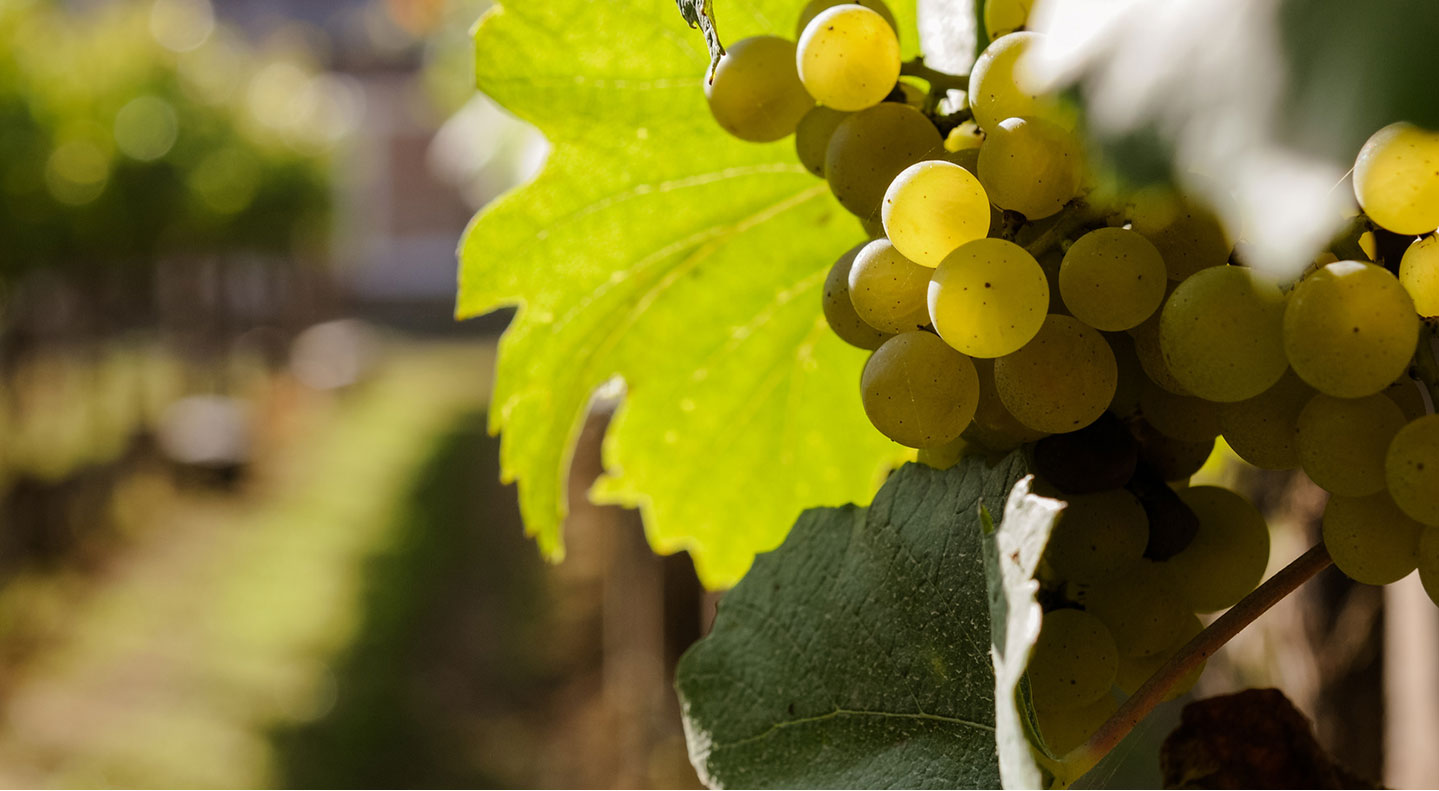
(251, 527)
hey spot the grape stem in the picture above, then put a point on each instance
(1043, 236)
(939, 81)
(1203, 646)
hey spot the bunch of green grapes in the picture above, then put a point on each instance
(1113, 338)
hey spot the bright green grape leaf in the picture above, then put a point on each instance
(1012, 557)
(858, 654)
(656, 249)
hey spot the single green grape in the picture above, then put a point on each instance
(813, 7)
(1073, 661)
(1370, 539)
(755, 94)
(1405, 393)
(1227, 557)
(1343, 441)
(1151, 355)
(1171, 459)
(1112, 279)
(1222, 334)
(1064, 730)
(1002, 17)
(1264, 430)
(1396, 179)
(1350, 329)
(1031, 166)
(889, 291)
(933, 207)
(839, 310)
(1419, 274)
(1411, 469)
(995, 426)
(811, 138)
(1187, 234)
(1060, 381)
(1132, 379)
(987, 298)
(1181, 417)
(1131, 672)
(848, 57)
(1429, 562)
(1143, 613)
(1098, 535)
(1001, 85)
(943, 457)
(870, 147)
(918, 391)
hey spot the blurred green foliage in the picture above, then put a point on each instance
(137, 130)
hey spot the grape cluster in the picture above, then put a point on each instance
(1009, 301)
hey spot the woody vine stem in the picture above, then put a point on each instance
(1203, 646)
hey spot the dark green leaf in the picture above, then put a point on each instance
(858, 654)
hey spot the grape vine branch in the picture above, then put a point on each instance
(1203, 646)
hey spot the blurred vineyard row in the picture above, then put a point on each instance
(251, 528)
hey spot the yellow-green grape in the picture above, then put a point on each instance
(1396, 179)
(1112, 279)
(1073, 661)
(1151, 355)
(997, 428)
(813, 7)
(1064, 730)
(1368, 244)
(1411, 469)
(1132, 378)
(755, 94)
(1222, 334)
(1000, 86)
(888, 290)
(988, 298)
(1142, 611)
(871, 147)
(964, 137)
(1031, 166)
(1343, 441)
(1350, 329)
(968, 158)
(942, 457)
(1227, 557)
(1005, 16)
(932, 208)
(1370, 539)
(1188, 235)
(811, 138)
(919, 392)
(1264, 430)
(1429, 562)
(1181, 417)
(1419, 274)
(848, 57)
(1405, 393)
(1131, 672)
(1060, 381)
(1098, 535)
(839, 310)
